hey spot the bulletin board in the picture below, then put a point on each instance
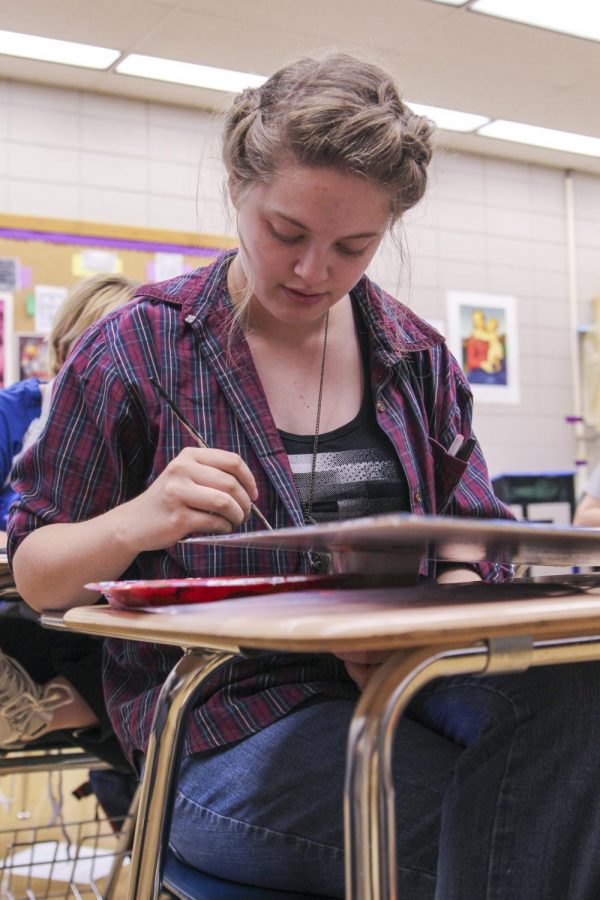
(40, 259)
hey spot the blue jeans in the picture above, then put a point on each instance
(497, 781)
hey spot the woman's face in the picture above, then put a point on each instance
(306, 238)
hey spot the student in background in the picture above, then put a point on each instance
(51, 682)
(24, 405)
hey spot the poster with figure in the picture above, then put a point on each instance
(32, 356)
(482, 334)
(6, 338)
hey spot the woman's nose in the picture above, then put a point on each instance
(312, 267)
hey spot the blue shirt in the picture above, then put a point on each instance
(20, 404)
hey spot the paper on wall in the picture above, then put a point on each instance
(47, 300)
(96, 262)
(6, 338)
(9, 274)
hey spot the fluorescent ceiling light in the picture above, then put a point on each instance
(450, 119)
(542, 137)
(29, 46)
(580, 18)
(188, 73)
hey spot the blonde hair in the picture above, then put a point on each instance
(87, 302)
(336, 111)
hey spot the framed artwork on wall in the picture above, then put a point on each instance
(6, 338)
(482, 334)
(31, 356)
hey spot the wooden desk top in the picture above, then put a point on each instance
(382, 618)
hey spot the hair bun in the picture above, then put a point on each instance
(336, 111)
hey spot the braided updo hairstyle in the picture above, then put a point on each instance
(336, 111)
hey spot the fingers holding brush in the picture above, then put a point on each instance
(199, 491)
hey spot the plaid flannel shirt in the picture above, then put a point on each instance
(108, 437)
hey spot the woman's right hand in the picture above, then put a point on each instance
(200, 491)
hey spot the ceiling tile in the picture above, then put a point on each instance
(104, 23)
(441, 55)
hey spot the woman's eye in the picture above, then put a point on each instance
(348, 251)
(285, 238)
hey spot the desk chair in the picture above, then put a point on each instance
(56, 755)
(183, 881)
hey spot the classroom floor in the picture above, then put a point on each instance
(41, 858)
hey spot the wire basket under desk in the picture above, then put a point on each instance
(66, 860)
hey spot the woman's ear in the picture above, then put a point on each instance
(233, 186)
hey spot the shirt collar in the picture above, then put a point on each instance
(394, 328)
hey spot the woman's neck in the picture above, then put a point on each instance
(260, 325)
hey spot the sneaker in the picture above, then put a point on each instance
(26, 707)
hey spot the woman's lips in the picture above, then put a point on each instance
(302, 297)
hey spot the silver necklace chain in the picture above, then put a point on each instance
(308, 505)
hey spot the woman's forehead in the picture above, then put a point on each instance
(299, 193)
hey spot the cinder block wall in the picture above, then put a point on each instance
(486, 225)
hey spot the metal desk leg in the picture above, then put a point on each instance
(124, 845)
(369, 791)
(162, 766)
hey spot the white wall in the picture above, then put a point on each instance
(486, 225)
(105, 159)
(499, 226)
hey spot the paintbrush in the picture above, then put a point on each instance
(197, 436)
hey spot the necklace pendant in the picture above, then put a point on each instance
(320, 562)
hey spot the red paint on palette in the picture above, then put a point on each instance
(174, 591)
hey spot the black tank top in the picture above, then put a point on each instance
(358, 472)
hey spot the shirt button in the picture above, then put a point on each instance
(418, 496)
(190, 319)
(380, 406)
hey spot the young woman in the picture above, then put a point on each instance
(321, 397)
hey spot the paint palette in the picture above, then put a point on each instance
(140, 594)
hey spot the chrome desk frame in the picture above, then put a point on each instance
(369, 793)
(369, 800)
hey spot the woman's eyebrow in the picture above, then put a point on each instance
(347, 237)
